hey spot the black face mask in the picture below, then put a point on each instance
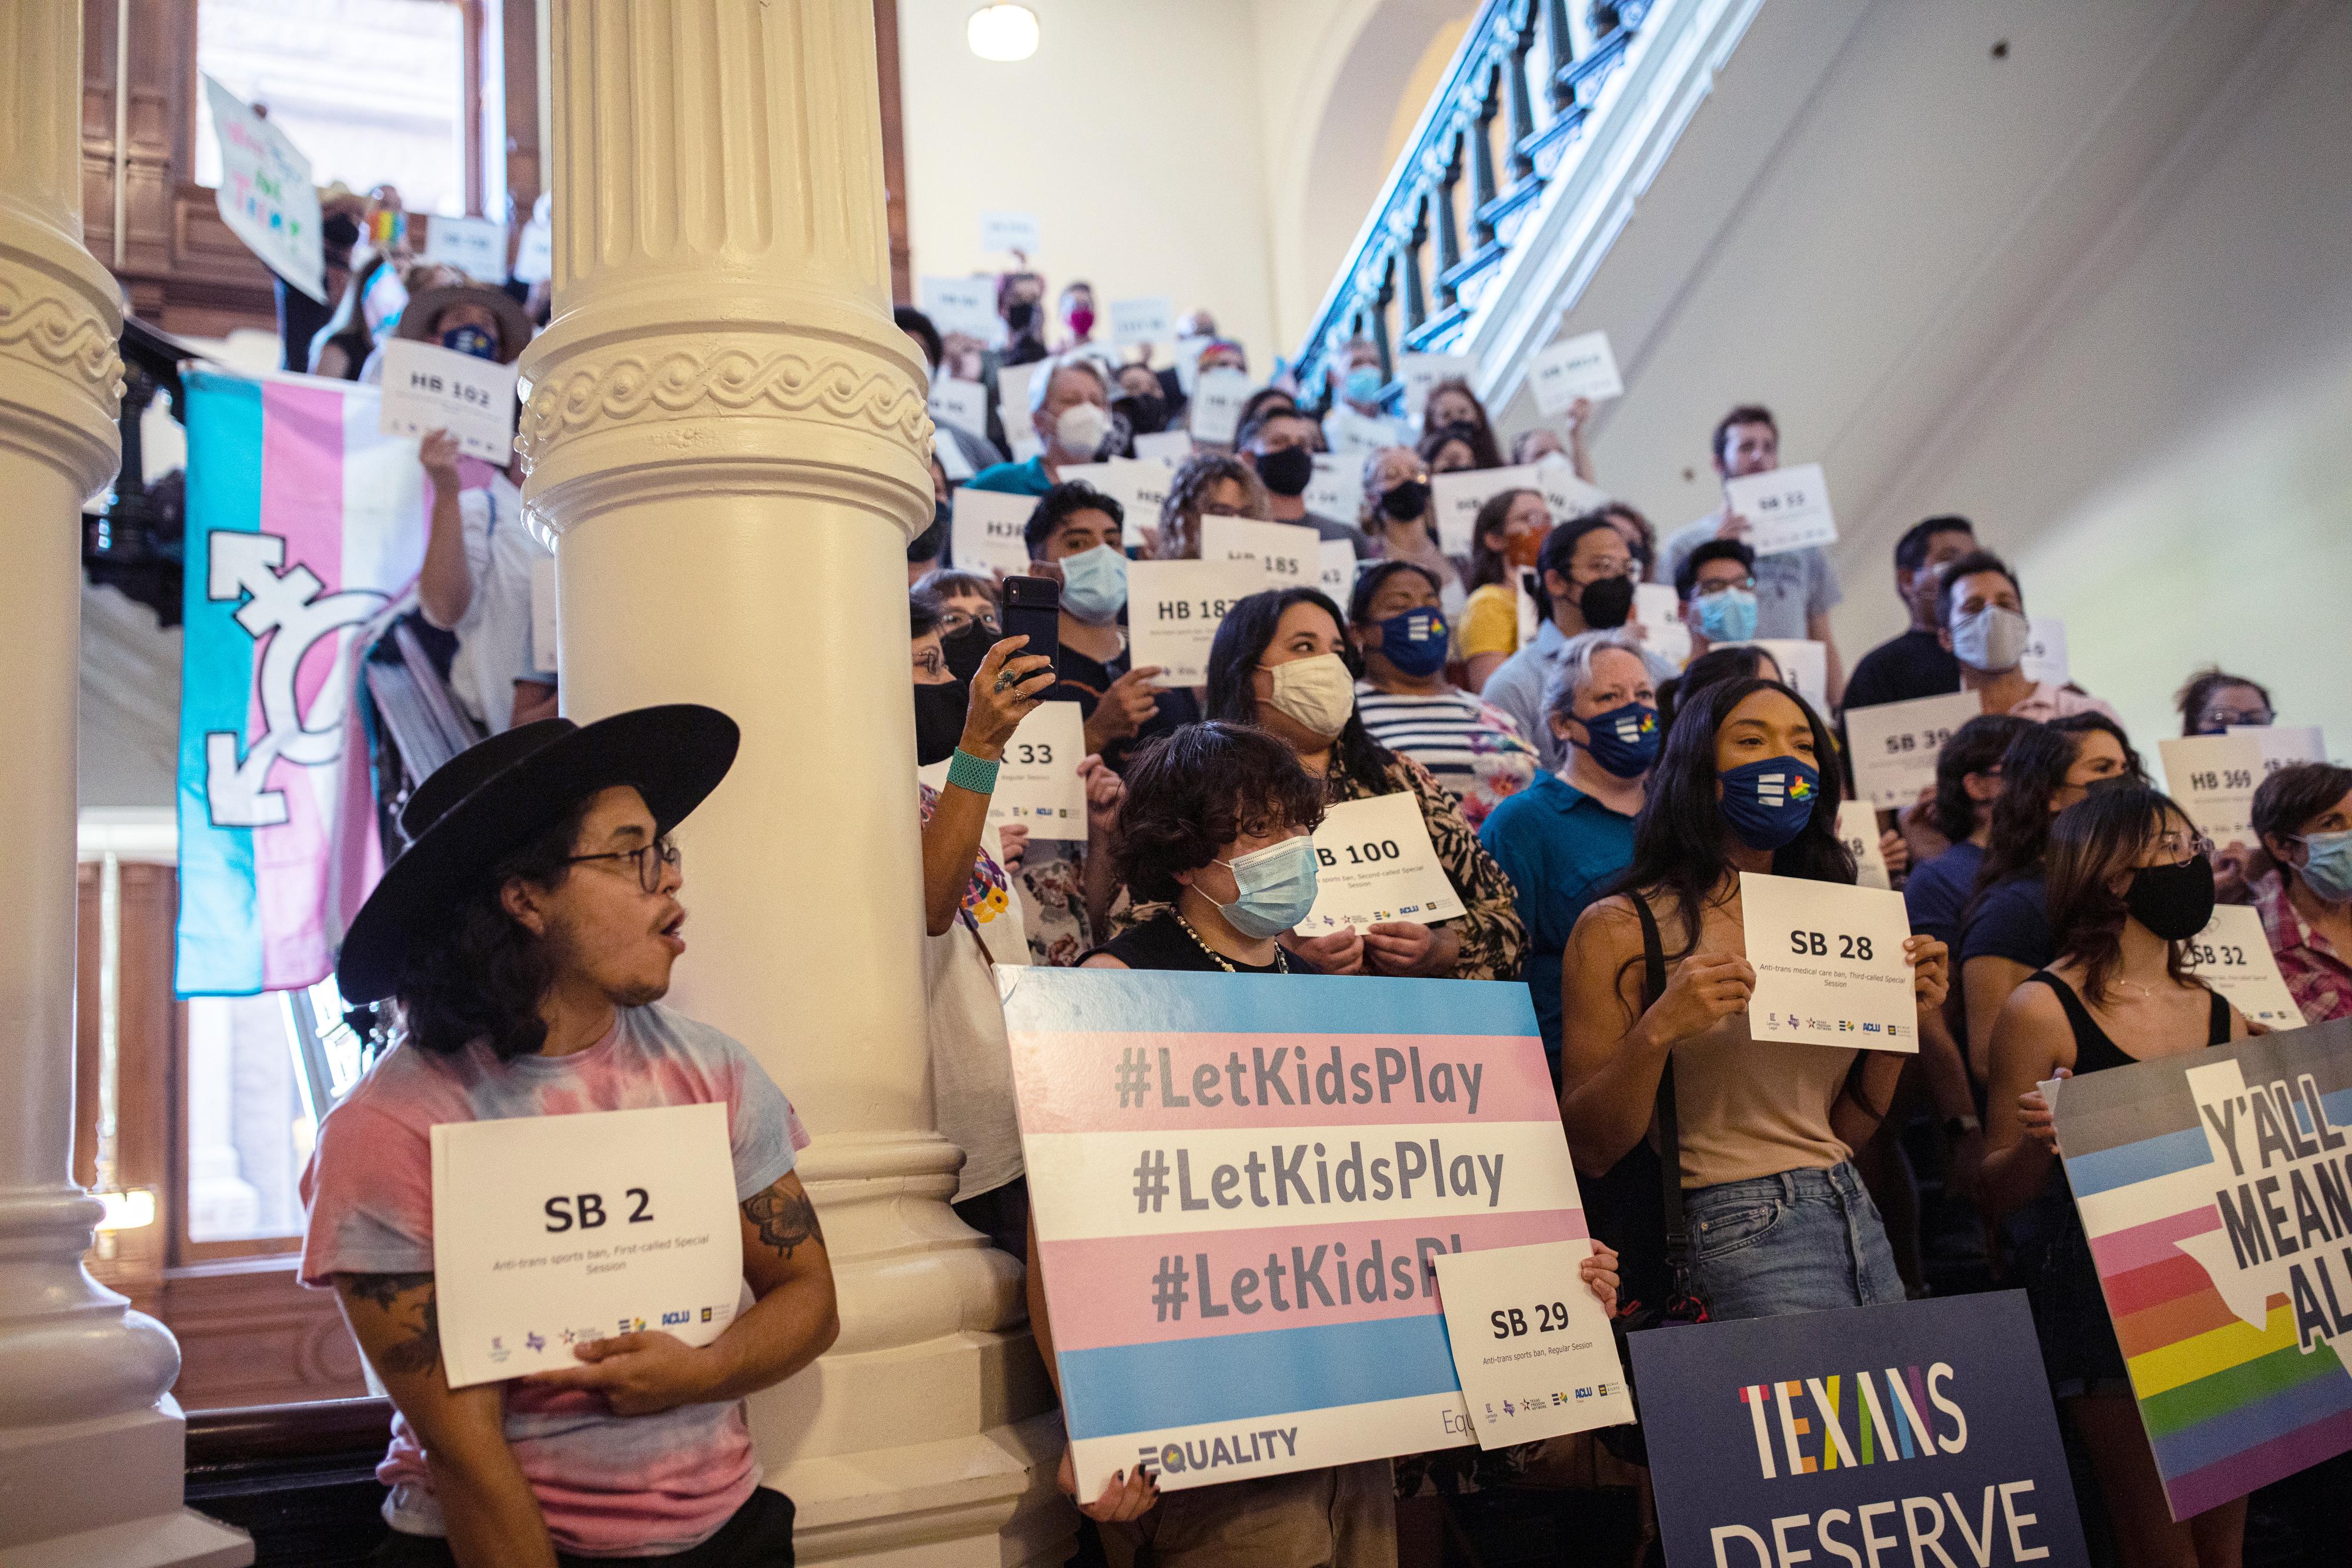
(2174, 901)
(939, 721)
(1145, 415)
(1020, 314)
(926, 546)
(1402, 502)
(1607, 603)
(965, 648)
(1287, 472)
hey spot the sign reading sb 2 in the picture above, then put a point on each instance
(590, 1208)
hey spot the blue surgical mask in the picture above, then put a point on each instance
(1767, 803)
(1727, 615)
(1624, 740)
(471, 340)
(1276, 888)
(1416, 641)
(1363, 384)
(1094, 583)
(2328, 872)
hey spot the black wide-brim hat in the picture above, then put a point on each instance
(491, 798)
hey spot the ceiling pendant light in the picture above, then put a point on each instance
(1005, 32)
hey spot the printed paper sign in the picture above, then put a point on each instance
(2283, 743)
(1012, 395)
(2210, 1184)
(475, 246)
(1015, 232)
(952, 462)
(1786, 508)
(1531, 1346)
(2045, 650)
(545, 626)
(1566, 494)
(1227, 1303)
(554, 1231)
(427, 387)
(1335, 562)
(1138, 485)
(2234, 955)
(1659, 614)
(1858, 830)
(1285, 552)
(966, 305)
(1458, 496)
(1037, 784)
(986, 532)
(1145, 321)
(961, 403)
(1173, 608)
(1804, 665)
(1217, 399)
(1894, 1436)
(1828, 964)
(1374, 864)
(1420, 372)
(1895, 745)
(265, 196)
(1166, 448)
(1337, 490)
(2214, 776)
(1578, 367)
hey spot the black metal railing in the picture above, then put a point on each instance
(1498, 131)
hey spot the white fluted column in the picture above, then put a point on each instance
(728, 436)
(90, 1440)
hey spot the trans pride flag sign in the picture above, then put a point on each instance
(305, 530)
(2216, 1191)
(1237, 1182)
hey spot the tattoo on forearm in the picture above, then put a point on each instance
(785, 1220)
(420, 1348)
(382, 1289)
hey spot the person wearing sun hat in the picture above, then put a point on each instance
(526, 937)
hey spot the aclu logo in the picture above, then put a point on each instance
(669, 1319)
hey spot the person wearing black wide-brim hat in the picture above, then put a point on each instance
(526, 937)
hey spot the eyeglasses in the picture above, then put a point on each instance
(1709, 589)
(651, 860)
(2182, 846)
(956, 619)
(2223, 719)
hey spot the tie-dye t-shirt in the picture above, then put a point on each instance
(609, 1486)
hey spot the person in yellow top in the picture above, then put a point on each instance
(1509, 530)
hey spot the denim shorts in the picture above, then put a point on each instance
(1802, 1241)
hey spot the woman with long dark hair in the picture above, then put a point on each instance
(1509, 530)
(2130, 882)
(1777, 1215)
(1282, 661)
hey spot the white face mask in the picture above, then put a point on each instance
(1318, 692)
(1990, 641)
(1081, 428)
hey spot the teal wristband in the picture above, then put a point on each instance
(968, 772)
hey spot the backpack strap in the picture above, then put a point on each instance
(1670, 1159)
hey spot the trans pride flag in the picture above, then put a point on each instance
(305, 531)
(1238, 1181)
(2216, 1192)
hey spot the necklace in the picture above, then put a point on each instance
(1281, 962)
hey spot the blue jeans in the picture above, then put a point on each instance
(1802, 1241)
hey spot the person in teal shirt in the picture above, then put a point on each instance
(1069, 408)
(1564, 839)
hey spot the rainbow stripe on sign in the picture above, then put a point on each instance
(2204, 1183)
(1238, 1182)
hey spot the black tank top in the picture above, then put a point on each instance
(2093, 1051)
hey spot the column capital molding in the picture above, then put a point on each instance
(60, 367)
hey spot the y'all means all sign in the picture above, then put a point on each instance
(427, 387)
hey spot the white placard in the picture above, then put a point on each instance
(1858, 826)
(1895, 745)
(986, 530)
(961, 403)
(1285, 552)
(534, 259)
(1013, 394)
(1804, 665)
(1023, 442)
(1335, 570)
(1188, 361)
(1786, 508)
(427, 387)
(966, 305)
(1166, 448)
(1145, 321)
(2214, 776)
(475, 246)
(1828, 964)
(1173, 608)
(265, 196)
(1015, 232)
(1422, 372)
(2046, 650)
(1374, 864)
(952, 462)
(1572, 367)
(1140, 488)
(1564, 494)
(545, 620)
(2234, 955)
(1336, 488)
(2283, 743)
(1037, 784)
(1459, 495)
(1531, 1347)
(553, 1231)
(1217, 399)
(1658, 614)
